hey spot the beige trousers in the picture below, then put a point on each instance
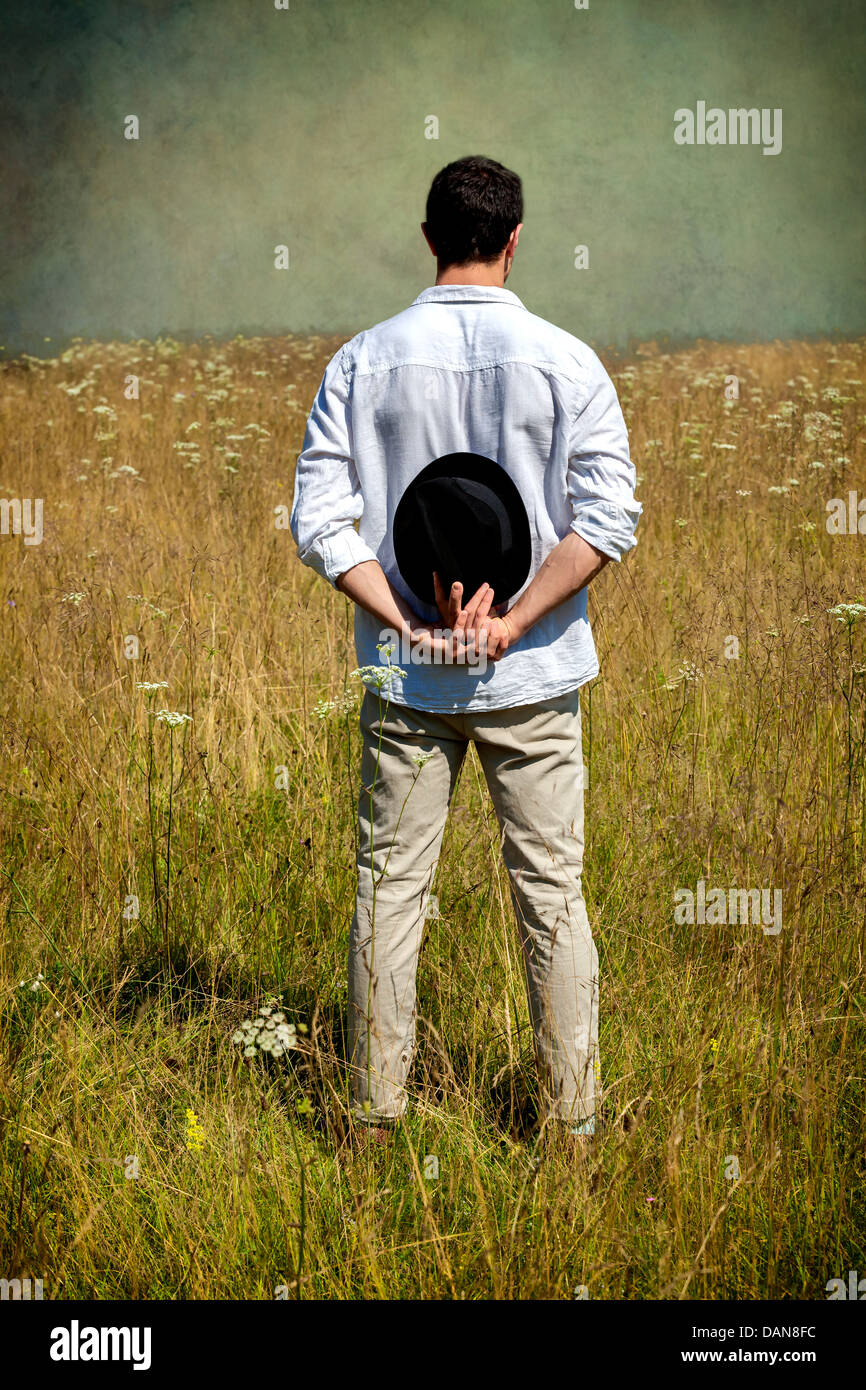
(533, 763)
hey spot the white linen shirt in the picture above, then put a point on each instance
(467, 369)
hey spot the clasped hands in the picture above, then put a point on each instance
(471, 629)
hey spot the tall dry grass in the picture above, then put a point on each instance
(719, 1043)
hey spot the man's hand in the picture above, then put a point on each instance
(473, 625)
(469, 627)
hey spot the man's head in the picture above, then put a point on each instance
(474, 212)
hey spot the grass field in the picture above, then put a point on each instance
(160, 882)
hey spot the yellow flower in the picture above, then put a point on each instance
(194, 1133)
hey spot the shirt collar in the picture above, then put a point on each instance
(468, 294)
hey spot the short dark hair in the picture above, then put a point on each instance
(473, 207)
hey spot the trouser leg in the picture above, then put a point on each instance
(402, 810)
(533, 763)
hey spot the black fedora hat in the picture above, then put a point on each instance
(463, 517)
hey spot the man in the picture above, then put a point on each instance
(467, 369)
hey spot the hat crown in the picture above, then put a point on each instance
(463, 517)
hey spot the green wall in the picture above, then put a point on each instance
(307, 127)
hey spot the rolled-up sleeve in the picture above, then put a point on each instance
(601, 475)
(327, 500)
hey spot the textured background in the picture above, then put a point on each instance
(307, 127)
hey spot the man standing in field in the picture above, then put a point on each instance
(467, 370)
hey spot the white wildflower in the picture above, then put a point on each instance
(268, 1033)
(377, 676)
(849, 613)
(172, 718)
(689, 673)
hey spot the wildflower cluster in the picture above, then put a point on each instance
(849, 613)
(344, 704)
(378, 676)
(194, 1133)
(172, 718)
(268, 1032)
(687, 673)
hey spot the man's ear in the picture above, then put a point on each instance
(513, 239)
(427, 239)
